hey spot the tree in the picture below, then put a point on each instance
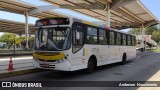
(135, 31)
(23, 41)
(150, 30)
(9, 39)
(31, 41)
(156, 36)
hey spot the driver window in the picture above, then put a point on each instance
(78, 37)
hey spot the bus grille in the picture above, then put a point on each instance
(47, 66)
(47, 60)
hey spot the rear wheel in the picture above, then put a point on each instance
(124, 59)
(91, 65)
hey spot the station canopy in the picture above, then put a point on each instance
(15, 27)
(124, 13)
(20, 7)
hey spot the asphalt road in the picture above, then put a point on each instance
(144, 68)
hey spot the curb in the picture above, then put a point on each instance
(21, 72)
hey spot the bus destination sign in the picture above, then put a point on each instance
(52, 21)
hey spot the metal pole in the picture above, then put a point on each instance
(108, 15)
(26, 29)
(142, 44)
(14, 48)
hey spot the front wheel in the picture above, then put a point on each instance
(91, 65)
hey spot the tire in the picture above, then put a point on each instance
(91, 65)
(124, 59)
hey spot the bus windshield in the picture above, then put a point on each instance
(52, 39)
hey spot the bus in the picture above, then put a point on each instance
(69, 44)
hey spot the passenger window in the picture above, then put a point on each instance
(129, 40)
(102, 37)
(124, 40)
(112, 38)
(118, 39)
(92, 35)
(133, 40)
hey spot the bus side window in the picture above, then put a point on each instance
(133, 41)
(124, 40)
(103, 37)
(118, 39)
(77, 37)
(112, 38)
(92, 35)
(129, 40)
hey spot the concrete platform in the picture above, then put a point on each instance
(19, 63)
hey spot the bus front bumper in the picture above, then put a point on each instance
(57, 65)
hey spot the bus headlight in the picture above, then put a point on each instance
(60, 61)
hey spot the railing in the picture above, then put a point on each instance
(6, 52)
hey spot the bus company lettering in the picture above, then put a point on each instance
(14, 84)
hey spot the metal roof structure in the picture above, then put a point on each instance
(20, 7)
(15, 27)
(15, 6)
(124, 13)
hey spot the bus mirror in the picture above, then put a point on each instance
(77, 35)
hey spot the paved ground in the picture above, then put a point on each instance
(146, 68)
(19, 63)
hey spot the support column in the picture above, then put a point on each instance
(26, 29)
(108, 15)
(142, 44)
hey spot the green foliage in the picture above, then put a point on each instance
(10, 39)
(156, 36)
(150, 30)
(135, 31)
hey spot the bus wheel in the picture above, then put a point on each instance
(91, 65)
(124, 59)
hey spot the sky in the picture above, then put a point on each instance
(151, 5)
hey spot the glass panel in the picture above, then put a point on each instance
(129, 40)
(91, 35)
(118, 39)
(112, 38)
(51, 39)
(78, 42)
(102, 37)
(133, 40)
(124, 39)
